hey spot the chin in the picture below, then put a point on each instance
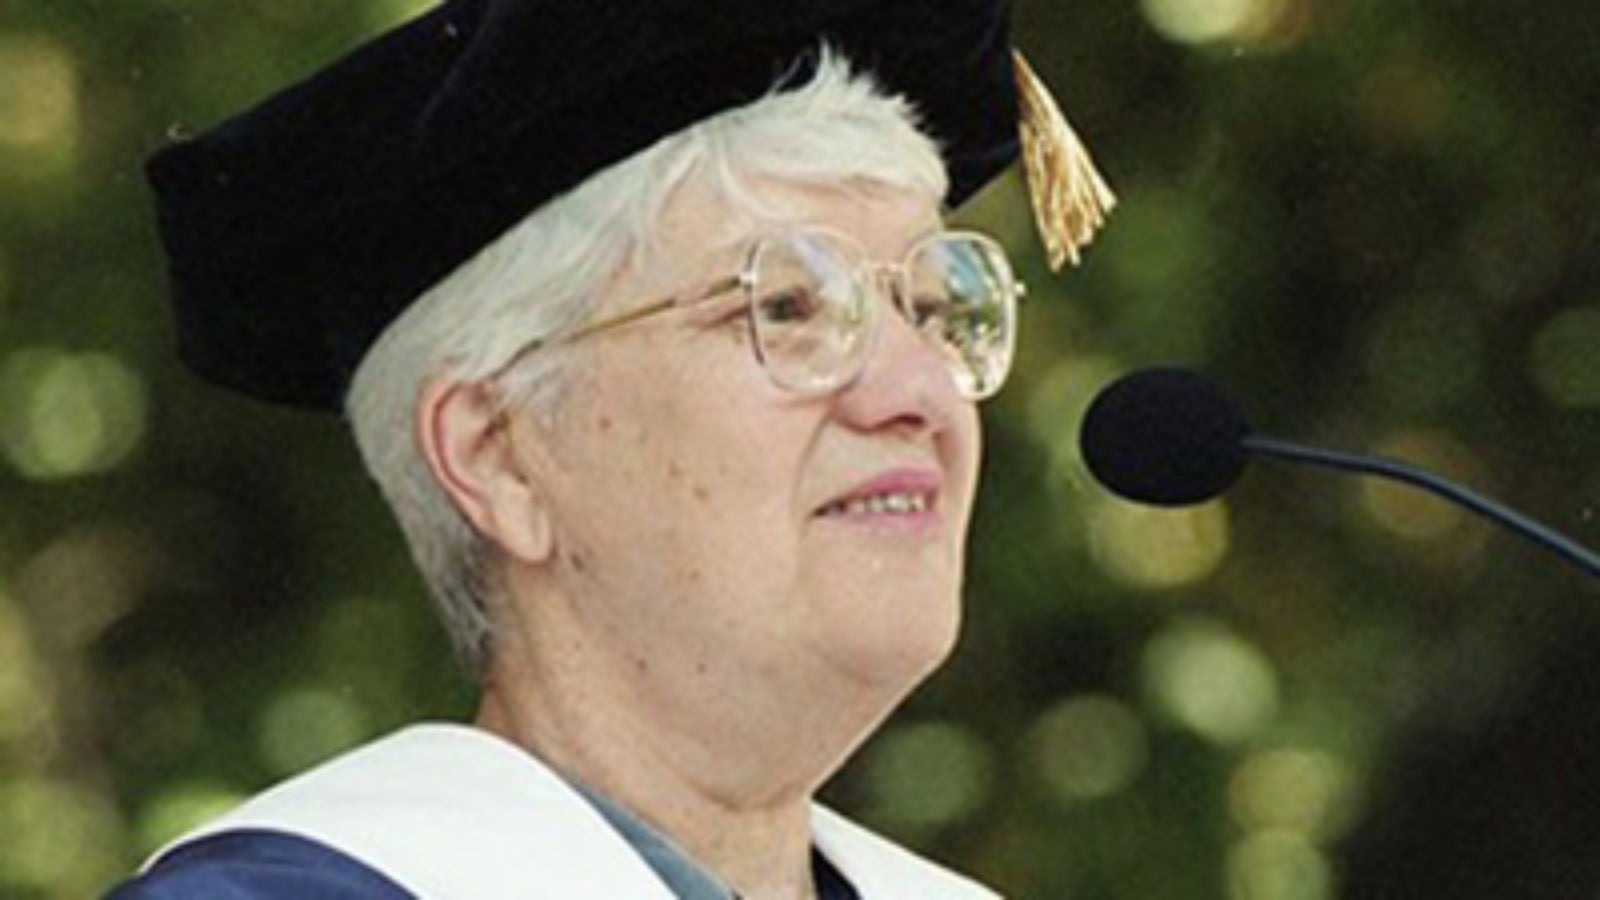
(897, 651)
(925, 657)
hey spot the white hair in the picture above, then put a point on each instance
(541, 277)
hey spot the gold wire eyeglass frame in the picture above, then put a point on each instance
(745, 279)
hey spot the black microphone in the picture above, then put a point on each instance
(1169, 437)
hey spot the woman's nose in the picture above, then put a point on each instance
(904, 379)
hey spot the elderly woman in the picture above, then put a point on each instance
(647, 326)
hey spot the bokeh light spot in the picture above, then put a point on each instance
(39, 115)
(1231, 21)
(1089, 747)
(61, 840)
(67, 415)
(1211, 680)
(306, 726)
(181, 809)
(356, 642)
(1564, 360)
(38, 91)
(927, 774)
(27, 701)
(1303, 791)
(1149, 547)
(1411, 512)
(83, 581)
(1278, 866)
(1406, 101)
(1056, 406)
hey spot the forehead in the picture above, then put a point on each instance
(702, 223)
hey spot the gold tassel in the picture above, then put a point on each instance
(1070, 199)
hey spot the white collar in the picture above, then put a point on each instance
(452, 812)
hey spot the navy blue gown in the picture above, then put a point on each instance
(257, 865)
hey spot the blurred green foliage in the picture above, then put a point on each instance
(1376, 220)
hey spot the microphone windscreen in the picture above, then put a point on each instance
(1163, 436)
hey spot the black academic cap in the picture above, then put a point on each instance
(298, 230)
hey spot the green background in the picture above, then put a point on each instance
(1375, 220)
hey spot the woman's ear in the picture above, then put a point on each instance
(465, 436)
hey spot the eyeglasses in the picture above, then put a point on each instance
(809, 295)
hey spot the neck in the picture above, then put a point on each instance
(725, 767)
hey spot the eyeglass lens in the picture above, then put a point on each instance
(813, 315)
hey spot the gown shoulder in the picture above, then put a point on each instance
(258, 865)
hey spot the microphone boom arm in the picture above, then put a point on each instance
(1419, 477)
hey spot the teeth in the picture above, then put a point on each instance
(880, 503)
